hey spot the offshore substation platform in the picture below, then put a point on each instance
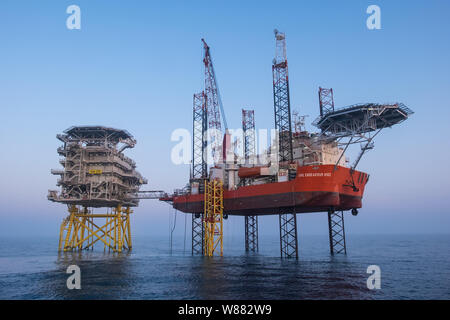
(302, 172)
(97, 174)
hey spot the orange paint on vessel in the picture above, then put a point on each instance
(315, 188)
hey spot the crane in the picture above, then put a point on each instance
(214, 106)
(212, 92)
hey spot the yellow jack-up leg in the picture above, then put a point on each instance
(213, 221)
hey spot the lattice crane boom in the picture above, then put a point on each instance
(214, 101)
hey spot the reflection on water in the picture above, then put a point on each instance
(418, 268)
(257, 277)
(98, 271)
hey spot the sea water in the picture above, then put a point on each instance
(412, 267)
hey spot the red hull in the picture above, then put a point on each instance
(315, 189)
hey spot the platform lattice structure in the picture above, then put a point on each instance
(97, 174)
(251, 222)
(81, 230)
(251, 233)
(288, 236)
(197, 234)
(336, 232)
(281, 99)
(248, 128)
(199, 128)
(213, 218)
(199, 165)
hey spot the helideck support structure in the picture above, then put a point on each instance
(359, 124)
(326, 101)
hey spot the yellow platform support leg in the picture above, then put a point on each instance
(61, 233)
(129, 243)
(66, 229)
(213, 218)
(81, 229)
(119, 228)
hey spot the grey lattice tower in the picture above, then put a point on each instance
(199, 165)
(326, 100)
(251, 233)
(251, 221)
(336, 232)
(197, 234)
(288, 236)
(281, 99)
(248, 128)
(282, 108)
(199, 128)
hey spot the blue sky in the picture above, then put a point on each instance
(135, 65)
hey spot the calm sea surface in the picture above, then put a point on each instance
(412, 267)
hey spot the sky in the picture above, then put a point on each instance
(134, 65)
